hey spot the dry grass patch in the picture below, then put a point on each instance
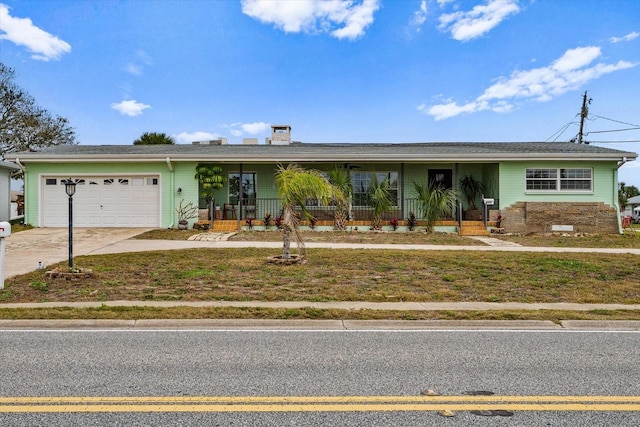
(341, 275)
(136, 313)
(626, 240)
(373, 237)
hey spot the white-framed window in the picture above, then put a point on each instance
(361, 182)
(559, 179)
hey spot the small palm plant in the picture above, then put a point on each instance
(295, 186)
(341, 179)
(435, 202)
(379, 199)
(471, 188)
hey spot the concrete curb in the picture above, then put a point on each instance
(323, 325)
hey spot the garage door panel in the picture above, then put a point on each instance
(116, 201)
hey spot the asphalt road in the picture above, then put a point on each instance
(298, 378)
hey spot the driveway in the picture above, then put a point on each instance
(24, 250)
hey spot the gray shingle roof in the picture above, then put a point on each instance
(454, 151)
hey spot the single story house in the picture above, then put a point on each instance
(534, 187)
(6, 169)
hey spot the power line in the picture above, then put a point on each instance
(615, 142)
(617, 121)
(559, 132)
(612, 130)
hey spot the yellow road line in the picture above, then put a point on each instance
(315, 403)
(320, 407)
(313, 399)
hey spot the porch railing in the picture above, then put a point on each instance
(258, 208)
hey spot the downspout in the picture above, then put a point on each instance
(24, 189)
(402, 201)
(615, 193)
(240, 197)
(172, 200)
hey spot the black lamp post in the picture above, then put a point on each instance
(70, 188)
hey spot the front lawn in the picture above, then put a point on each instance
(340, 275)
(417, 237)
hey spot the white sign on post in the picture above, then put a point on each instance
(5, 231)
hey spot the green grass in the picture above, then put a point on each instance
(341, 275)
(627, 240)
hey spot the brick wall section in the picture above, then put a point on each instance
(538, 217)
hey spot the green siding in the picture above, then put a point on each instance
(512, 184)
(168, 194)
(505, 181)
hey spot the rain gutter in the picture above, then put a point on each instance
(172, 199)
(615, 193)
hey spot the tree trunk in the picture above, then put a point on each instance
(286, 242)
(340, 220)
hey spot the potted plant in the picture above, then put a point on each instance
(210, 179)
(378, 197)
(471, 188)
(185, 213)
(435, 202)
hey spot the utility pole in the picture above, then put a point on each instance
(583, 115)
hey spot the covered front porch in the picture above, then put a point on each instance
(265, 214)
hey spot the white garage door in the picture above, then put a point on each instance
(105, 201)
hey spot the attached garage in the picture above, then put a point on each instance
(102, 201)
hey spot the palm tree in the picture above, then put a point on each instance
(295, 186)
(379, 199)
(154, 138)
(341, 179)
(435, 202)
(471, 188)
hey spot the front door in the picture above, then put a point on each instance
(441, 177)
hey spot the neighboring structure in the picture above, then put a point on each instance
(633, 205)
(17, 204)
(535, 187)
(6, 169)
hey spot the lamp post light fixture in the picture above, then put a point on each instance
(70, 189)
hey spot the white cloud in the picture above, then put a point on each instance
(22, 32)
(188, 138)
(465, 26)
(130, 108)
(569, 72)
(239, 129)
(420, 16)
(631, 36)
(255, 128)
(312, 16)
(134, 69)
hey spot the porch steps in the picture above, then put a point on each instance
(225, 225)
(473, 228)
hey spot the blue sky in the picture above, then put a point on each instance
(336, 71)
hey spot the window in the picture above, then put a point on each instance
(542, 179)
(575, 179)
(559, 179)
(362, 181)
